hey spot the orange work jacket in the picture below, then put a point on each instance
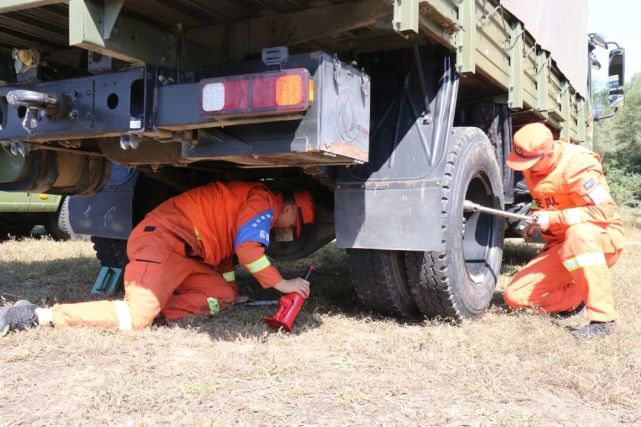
(575, 191)
(220, 219)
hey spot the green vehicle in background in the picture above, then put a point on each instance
(21, 212)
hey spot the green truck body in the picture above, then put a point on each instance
(28, 202)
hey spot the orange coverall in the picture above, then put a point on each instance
(585, 238)
(180, 257)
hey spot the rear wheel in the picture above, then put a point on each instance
(458, 282)
(380, 281)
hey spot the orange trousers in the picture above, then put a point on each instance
(568, 273)
(160, 277)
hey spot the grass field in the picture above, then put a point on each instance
(342, 366)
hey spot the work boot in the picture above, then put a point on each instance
(595, 330)
(20, 316)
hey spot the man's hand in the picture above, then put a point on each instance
(298, 285)
(542, 219)
(530, 232)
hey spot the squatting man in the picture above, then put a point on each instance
(583, 232)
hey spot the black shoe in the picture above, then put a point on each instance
(595, 330)
(21, 316)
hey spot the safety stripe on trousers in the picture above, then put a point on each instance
(259, 265)
(584, 260)
(124, 315)
(229, 276)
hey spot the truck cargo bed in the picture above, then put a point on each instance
(492, 46)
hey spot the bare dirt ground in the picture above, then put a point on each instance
(342, 366)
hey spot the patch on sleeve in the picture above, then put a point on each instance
(256, 229)
(599, 195)
(587, 185)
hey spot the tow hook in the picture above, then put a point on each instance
(40, 104)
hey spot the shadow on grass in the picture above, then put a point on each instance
(517, 253)
(70, 280)
(49, 282)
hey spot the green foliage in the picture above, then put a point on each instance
(618, 140)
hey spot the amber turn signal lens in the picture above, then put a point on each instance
(289, 90)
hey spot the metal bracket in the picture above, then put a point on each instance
(92, 26)
(529, 51)
(542, 80)
(566, 112)
(275, 57)
(485, 19)
(515, 50)
(111, 12)
(466, 39)
(405, 16)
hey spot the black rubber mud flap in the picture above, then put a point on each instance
(380, 281)
(458, 282)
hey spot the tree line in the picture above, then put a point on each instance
(618, 140)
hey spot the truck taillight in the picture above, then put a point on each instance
(261, 93)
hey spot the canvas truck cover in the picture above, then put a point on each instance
(560, 27)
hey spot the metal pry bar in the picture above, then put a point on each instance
(475, 207)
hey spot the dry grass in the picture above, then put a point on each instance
(342, 366)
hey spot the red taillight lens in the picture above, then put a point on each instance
(236, 95)
(263, 93)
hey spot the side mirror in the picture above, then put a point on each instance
(616, 71)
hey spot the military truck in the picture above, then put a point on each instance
(392, 112)
(21, 212)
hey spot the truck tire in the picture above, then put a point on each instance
(380, 281)
(458, 282)
(15, 225)
(110, 252)
(57, 223)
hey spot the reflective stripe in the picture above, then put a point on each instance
(599, 195)
(573, 216)
(197, 234)
(229, 276)
(259, 265)
(585, 260)
(124, 315)
(214, 306)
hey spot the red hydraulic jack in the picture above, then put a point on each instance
(288, 309)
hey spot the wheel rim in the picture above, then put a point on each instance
(478, 230)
